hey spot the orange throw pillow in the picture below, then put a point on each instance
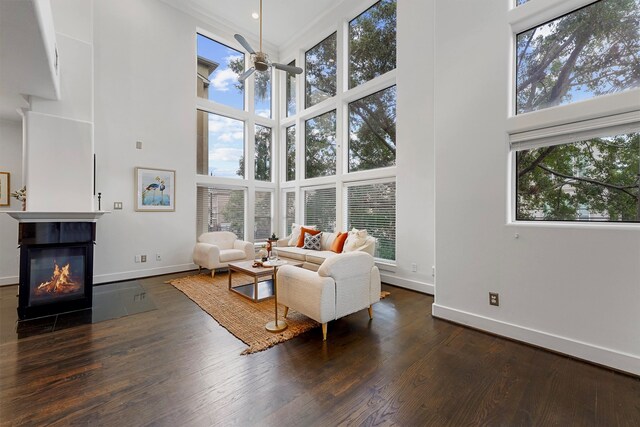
(338, 243)
(305, 230)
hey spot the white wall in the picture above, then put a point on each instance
(10, 161)
(59, 138)
(574, 289)
(144, 91)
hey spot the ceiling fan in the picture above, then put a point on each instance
(260, 59)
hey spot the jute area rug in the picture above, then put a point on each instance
(245, 319)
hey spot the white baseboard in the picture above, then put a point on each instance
(135, 274)
(414, 285)
(603, 356)
(9, 280)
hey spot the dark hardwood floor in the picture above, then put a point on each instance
(176, 366)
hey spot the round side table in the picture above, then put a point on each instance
(276, 325)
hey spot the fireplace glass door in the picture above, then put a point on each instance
(56, 274)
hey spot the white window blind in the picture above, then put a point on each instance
(373, 207)
(289, 211)
(579, 131)
(262, 227)
(320, 208)
(220, 210)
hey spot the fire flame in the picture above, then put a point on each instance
(60, 283)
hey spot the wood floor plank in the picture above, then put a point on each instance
(176, 366)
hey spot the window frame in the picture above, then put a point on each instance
(556, 121)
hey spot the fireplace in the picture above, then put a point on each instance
(56, 267)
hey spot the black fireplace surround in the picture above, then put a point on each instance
(56, 267)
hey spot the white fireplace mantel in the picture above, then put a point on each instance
(31, 216)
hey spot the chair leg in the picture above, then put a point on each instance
(213, 272)
(324, 332)
(286, 311)
(370, 312)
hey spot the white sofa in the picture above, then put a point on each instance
(312, 259)
(343, 284)
(217, 248)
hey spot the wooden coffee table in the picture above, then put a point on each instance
(258, 290)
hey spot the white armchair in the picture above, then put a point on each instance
(217, 248)
(343, 284)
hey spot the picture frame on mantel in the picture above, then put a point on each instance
(155, 190)
(5, 188)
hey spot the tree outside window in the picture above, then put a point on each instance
(590, 52)
(320, 71)
(372, 131)
(372, 43)
(320, 145)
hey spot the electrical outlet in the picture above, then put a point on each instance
(494, 298)
(137, 258)
(158, 257)
(433, 271)
(143, 258)
(117, 206)
(414, 267)
(139, 145)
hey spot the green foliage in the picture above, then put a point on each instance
(598, 179)
(320, 71)
(263, 154)
(590, 52)
(233, 213)
(372, 43)
(291, 153)
(320, 145)
(372, 131)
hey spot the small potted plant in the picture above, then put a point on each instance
(21, 195)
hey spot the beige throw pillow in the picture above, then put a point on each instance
(356, 239)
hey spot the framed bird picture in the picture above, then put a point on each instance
(155, 190)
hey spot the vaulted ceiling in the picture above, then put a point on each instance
(282, 19)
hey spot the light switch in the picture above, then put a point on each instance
(117, 205)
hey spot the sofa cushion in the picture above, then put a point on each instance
(327, 241)
(318, 257)
(293, 252)
(312, 241)
(355, 239)
(227, 255)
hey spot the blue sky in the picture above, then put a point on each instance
(226, 135)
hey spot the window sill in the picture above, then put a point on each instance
(576, 225)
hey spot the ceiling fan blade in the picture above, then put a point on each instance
(288, 68)
(246, 74)
(244, 43)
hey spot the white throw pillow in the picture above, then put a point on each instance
(356, 239)
(295, 232)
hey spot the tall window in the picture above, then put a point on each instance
(373, 207)
(289, 211)
(320, 71)
(218, 69)
(263, 153)
(262, 93)
(220, 209)
(291, 91)
(589, 52)
(372, 43)
(220, 146)
(291, 153)
(320, 208)
(320, 145)
(372, 131)
(263, 214)
(591, 180)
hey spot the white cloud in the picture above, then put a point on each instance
(224, 80)
(225, 154)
